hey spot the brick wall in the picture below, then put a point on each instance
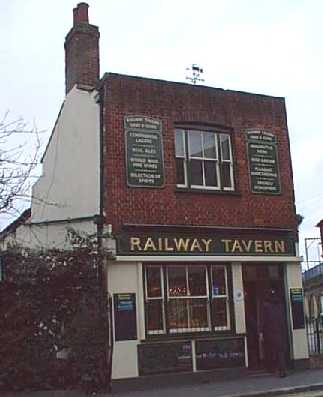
(178, 103)
(82, 63)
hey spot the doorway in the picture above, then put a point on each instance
(263, 283)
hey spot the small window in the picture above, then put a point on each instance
(203, 160)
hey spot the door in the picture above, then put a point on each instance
(264, 284)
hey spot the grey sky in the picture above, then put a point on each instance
(272, 47)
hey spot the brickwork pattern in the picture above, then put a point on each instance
(174, 103)
(82, 63)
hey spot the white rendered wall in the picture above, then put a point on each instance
(238, 298)
(125, 278)
(69, 185)
(46, 236)
(294, 280)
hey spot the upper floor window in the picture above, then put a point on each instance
(203, 160)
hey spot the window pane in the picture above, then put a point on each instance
(197, 281)
(209, 145)
(226, 175)
(219, 312)
(198, 313)
(195, 144)
(225, 147)
(153, 282)
(154, 315)
(197, 172)
(180, 171)
(177, 281)
(179, 143)
(211, 178)
(177, 314)
(218, 281)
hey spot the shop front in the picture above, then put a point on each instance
(189, 299)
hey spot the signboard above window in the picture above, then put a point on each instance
(263, 162)
(144, 152)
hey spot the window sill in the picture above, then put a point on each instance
(208, 191)
(192, 335)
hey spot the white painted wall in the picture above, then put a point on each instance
(123, 278)
(238, 298)
(299, 340)
(69, 185)
(46, 236)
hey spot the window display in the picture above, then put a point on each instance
(186, 298)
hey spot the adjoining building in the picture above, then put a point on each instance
(313, 292)
(320, 225)
(194, 185)
(313, 280)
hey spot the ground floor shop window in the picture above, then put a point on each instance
(186, 298)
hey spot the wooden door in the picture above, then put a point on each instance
(261, 282)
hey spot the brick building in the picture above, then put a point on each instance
(194, 186)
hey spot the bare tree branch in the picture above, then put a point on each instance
(19, 156)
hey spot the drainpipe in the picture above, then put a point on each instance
(103, 281)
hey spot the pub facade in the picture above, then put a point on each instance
(199, 194)
(191, 190)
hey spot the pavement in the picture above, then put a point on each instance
(305, 383)
(253, 385)
(256, 385)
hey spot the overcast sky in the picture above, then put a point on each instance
(270, 47)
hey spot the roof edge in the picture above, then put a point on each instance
(106, 76)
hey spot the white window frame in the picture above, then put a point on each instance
(226, 297)
(182, 157)
(204, 159)
(230, 161)
(187, 157)
(189, 296)
(156, 298)
(165, 298)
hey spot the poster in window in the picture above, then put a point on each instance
(125, 321)
(144, 152)
(263, 162)
(297, 303)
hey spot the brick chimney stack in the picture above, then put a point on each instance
(82, 59)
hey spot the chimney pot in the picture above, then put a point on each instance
(80, 13)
